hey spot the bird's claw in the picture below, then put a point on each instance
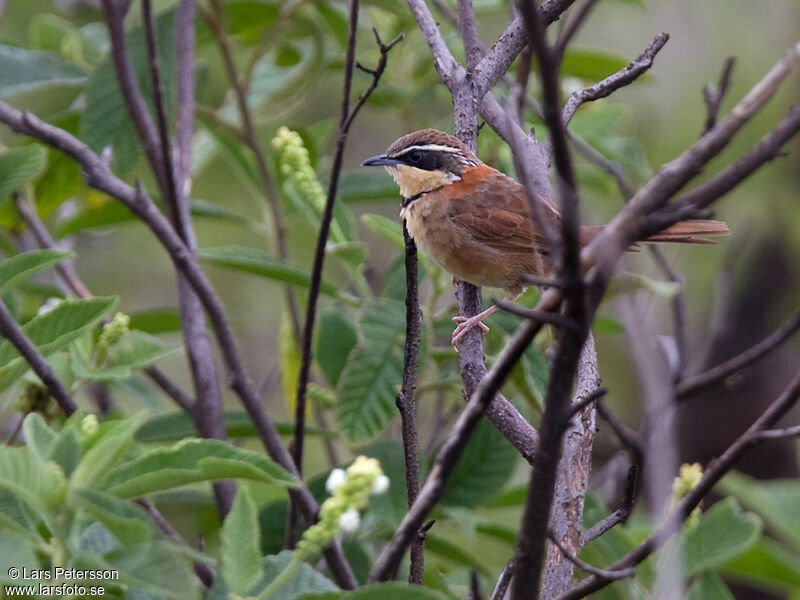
(464, 325)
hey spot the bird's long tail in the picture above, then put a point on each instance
(685, 232)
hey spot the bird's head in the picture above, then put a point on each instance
(425, 160)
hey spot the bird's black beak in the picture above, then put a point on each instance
(380, 161)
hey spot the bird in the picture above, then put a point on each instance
(476, 222)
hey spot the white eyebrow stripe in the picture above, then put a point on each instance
(435, 147)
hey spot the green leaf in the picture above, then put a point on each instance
(388, 229)
(241, 544)
(774, 501)
(61, 180)
(126, 520)
(110, 213)
(112, 444)
(723, 532)
(18, 552)
(20, 267)
(66, 450)
(26, 475)
(20, 165)
(19, 515)
(303, 581)
(175, 426)
(259, 262)
(156, 320)
(335, 339)
(369, 383)
(591, 64)
(381, 591)
(768, 564)
(137, 350)
(483, 469)
(106, 120)
(190, 461)
(248, 19)
(709, 587)
(368, 186)
(38, 436)
(456, 553)
(31, 70)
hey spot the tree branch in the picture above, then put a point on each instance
(713, 96)
(618, 516)
(406, 399)
(10, 330)
(692, 385)
(713, 474)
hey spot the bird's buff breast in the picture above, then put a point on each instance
(430, 226)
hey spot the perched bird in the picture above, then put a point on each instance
(476, 222)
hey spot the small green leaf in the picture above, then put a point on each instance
(258, 262)
(28, 476)
(137, 350)
(38, 436)
(126, 520)
(31, 70)
(369, 383)
(20, 165)
(709, 587)
(156, 320)
(766, 564)
(388, 229)
(483, 469)
(110, 213)
(241, 544)
(190, 461)
(591, 64)
(335, 339)
(20, 267)
(723, 532)
(106, 452)
(366, 185)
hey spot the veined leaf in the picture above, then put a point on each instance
(126, 520)
(259, 262)
(241, 544)
(106, 452)
(31, 70)
(21, 266)
(20, 165)
(190, 461)
(335, 339)
(369, 382)
(305, 580)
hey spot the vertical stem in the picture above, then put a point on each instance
(406, 399)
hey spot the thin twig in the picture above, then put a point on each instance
(584, 566)
(10, 330)
(679, 316)
(713, 96)
(538, 315)
(692, 385)
(348, 113)
(571, 29)
(778, 434)
(406, 399)
(627, 436)
(610, 84)
(501, 587)
(469, 34)
(618, 516)
(713, 474)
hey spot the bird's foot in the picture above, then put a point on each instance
(466, 324)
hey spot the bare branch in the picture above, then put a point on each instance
(621, 78)
(713, 96)
(572, 28)
(406, 399)
(537, 315)
(469, 34)
(346, 119)
(584, 566)
(679, 318)
(627, 436)
(503, 581)
(713, 474)
(778, 434)
(10, 330)
(692, 385)
(618, 516)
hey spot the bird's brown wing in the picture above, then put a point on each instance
(495, 212)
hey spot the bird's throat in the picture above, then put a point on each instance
(413, 181)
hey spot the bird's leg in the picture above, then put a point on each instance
(465, 324)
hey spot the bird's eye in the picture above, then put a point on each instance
(415, 156)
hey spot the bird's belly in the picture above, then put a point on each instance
(462, 256)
